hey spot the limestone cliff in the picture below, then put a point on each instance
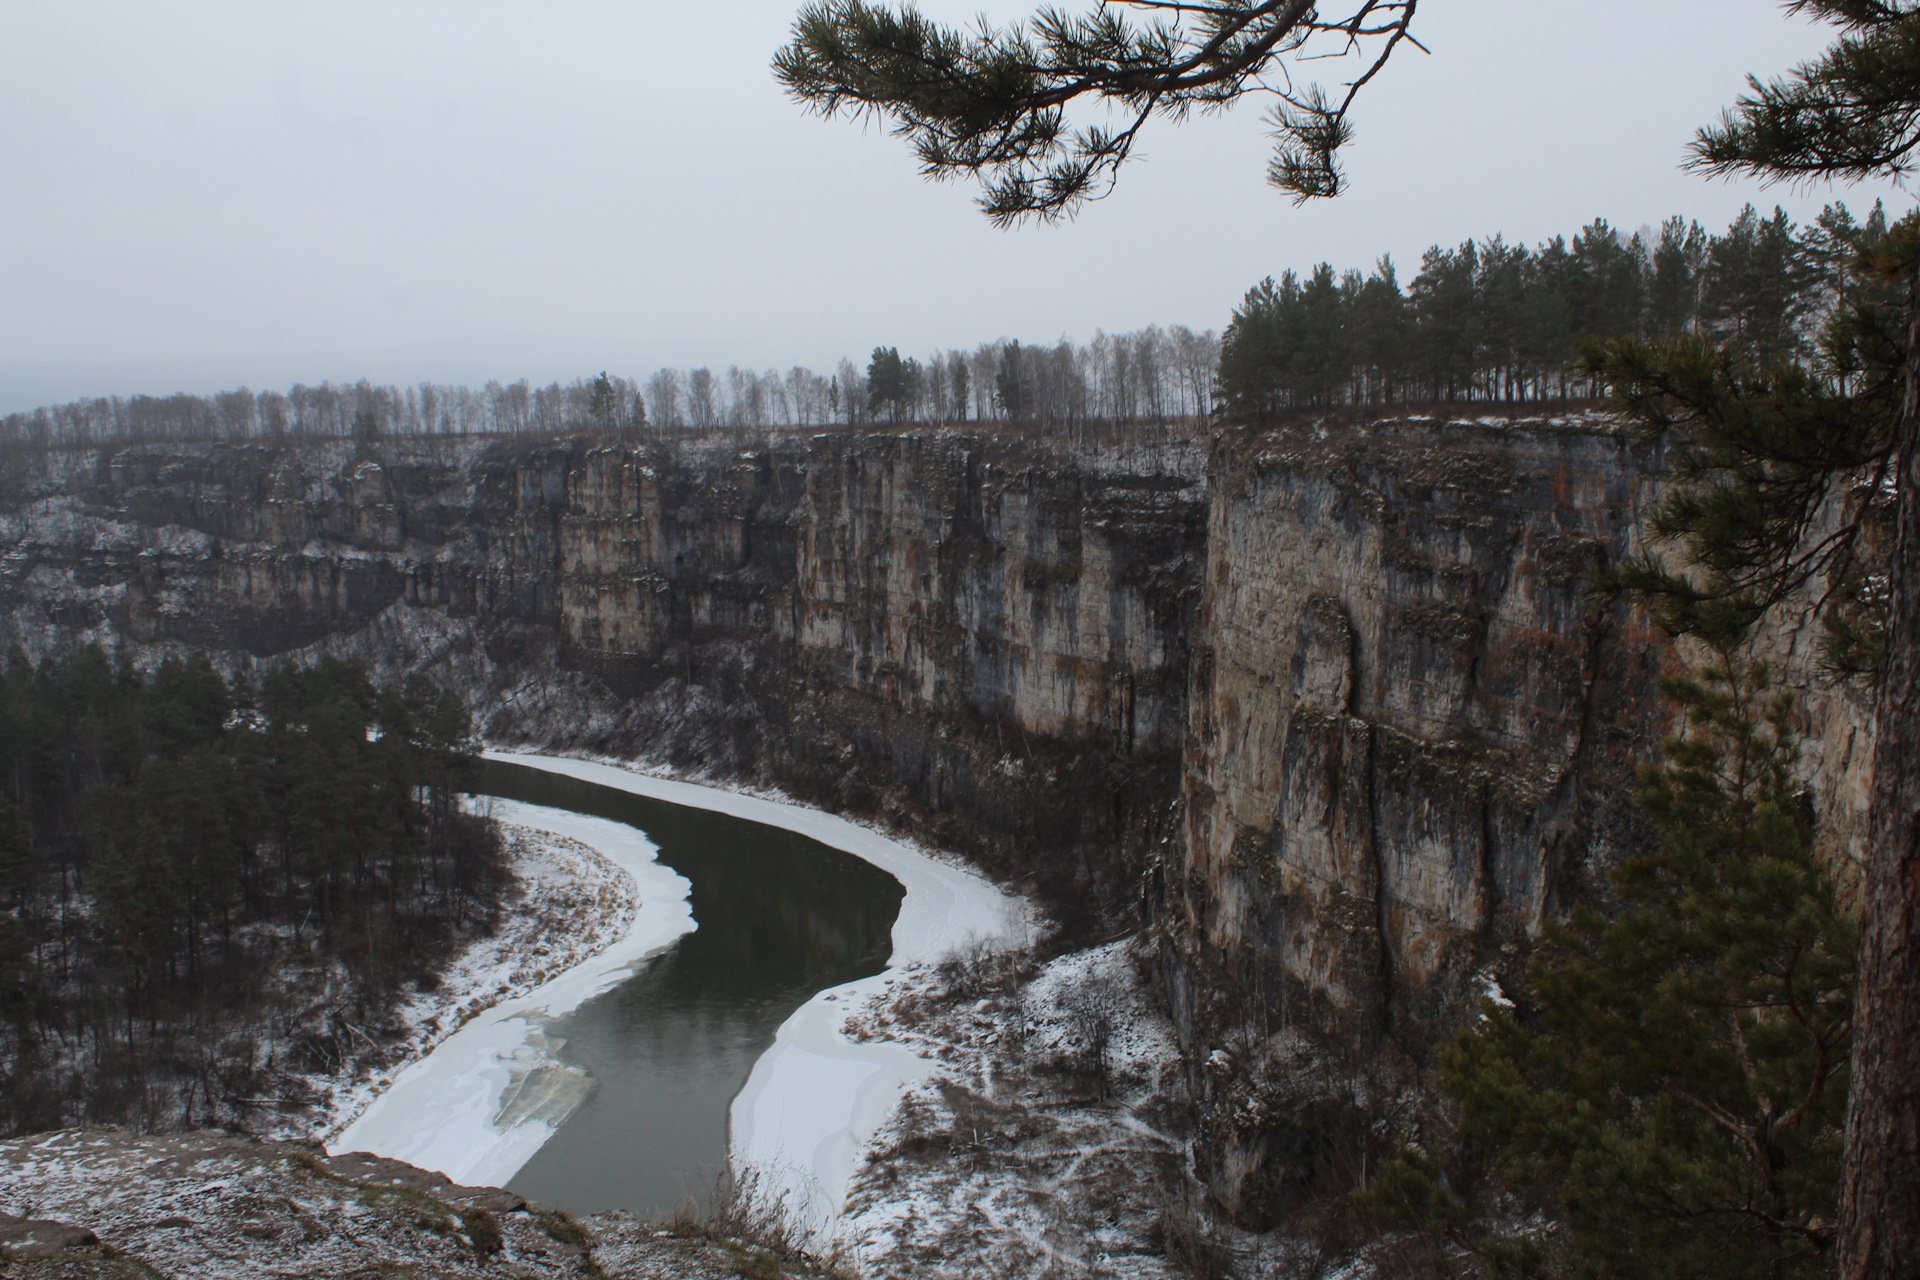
(1411, 732)
(1329, 702)
(980, 638)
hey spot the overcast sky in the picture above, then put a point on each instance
(221, 192)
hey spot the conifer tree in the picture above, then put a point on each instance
(1756, 292)
(887, 383)
(1380, 327)
(603, 401)
(1852, 112)
(1551, 335)
(1677, 265)
(1671, 1086)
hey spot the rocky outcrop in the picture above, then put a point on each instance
(212, 1206)
(1412, 732)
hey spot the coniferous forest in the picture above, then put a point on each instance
(1492, 321)
(207, 887)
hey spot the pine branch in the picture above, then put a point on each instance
(991, 103)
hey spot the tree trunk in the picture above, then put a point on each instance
(1880, 1209)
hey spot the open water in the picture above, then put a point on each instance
(779, 917)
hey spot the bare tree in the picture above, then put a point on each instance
(663, 399)
(703, 405)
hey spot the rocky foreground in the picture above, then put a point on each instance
(208, 1205)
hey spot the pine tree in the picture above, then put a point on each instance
(1013, 384)
(1676, 273)
(1671, 1087)
(1502, 289)
(1763, 456)
(1855, 112)
(1381, 324)
(887, 383)
(1445, 304)
(1247, 378)
(1758, 287)
(1323, 356)
(603, 402)
(1550, 345)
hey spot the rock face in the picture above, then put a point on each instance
(980, 638)
(1411, 733)
(1328, 702)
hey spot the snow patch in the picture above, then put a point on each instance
(1492, 992)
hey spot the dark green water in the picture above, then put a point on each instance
(780, 917)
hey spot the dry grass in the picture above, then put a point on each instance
(747, 1216)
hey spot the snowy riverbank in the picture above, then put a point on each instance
(818, 1096)
(570, 902)
(484, 1099)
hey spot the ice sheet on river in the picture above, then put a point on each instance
(489, 1096)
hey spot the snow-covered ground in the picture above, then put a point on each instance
(816, 1098)
(487, 1097)
(110, 1204)
(1046, 1143)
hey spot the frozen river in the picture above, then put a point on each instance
(625, 1082)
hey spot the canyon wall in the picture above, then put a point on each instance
(980, 640)
(1412, 733)
(1329, 704)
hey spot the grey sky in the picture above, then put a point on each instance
(221, 192)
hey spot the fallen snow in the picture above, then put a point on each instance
(1009, 1155)
(486, 1098)
(817, 1097)
(216, 1206)
(1492, 992)
(568, 902)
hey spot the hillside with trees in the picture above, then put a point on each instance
(206, 887)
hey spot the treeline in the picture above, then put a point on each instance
(1154, 375)
(203, 883)
(1490, 321)
(1486, 321)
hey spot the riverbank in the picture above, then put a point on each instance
(817, 1098)
(485, 1090)
(484, 1100)
(570, 903)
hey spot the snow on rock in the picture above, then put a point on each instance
(1492, 992)
(1046, 1142)
(106, 1204)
